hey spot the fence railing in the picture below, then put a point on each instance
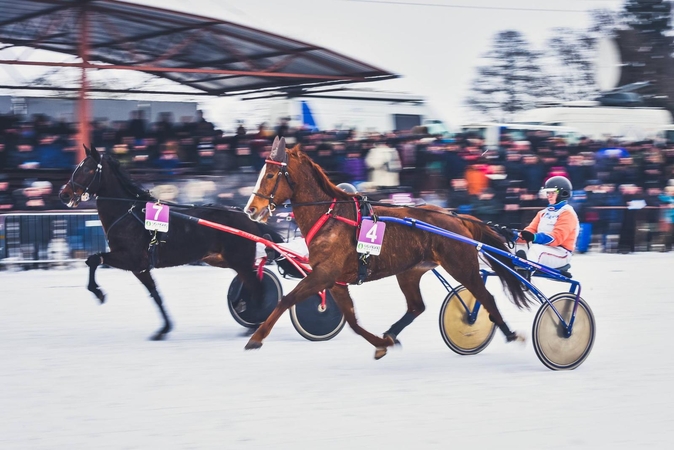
(34, 239)
(44, 238)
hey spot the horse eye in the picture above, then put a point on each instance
(270, 176)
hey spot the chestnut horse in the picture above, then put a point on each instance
(120, 204)
(328, 218)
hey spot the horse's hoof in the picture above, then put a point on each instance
(253, 345)
(393, 339)
(380, 352)
(160, 336)
(97, 292)
(515, 337)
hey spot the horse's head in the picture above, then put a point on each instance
(85, 180)
(273, 186)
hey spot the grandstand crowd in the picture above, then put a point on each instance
(616, 184)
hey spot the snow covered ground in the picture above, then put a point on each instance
(77, 375)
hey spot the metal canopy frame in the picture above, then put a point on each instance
(210, 56)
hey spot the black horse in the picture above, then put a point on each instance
(121, 202)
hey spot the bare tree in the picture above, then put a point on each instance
(603, 22)
(511, 79)
(646, 49)
(651, 18)
(570, 74)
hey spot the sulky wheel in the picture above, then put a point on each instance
(316, 324)
(552, 346)
(243, 309)
(462, 336)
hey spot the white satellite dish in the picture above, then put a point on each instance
(608, 64)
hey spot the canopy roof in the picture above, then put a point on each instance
(210, 55)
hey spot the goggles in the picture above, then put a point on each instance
(546, 191)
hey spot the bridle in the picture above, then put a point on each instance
(283, 170)
(74, 185)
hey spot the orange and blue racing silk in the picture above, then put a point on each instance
(556, 226)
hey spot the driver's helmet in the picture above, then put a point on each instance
(561, 185)
(348, 188)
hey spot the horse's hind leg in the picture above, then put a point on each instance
(93, 261)
(345, 304)
(488, 302)
(148, 282)
(470, 277)
(244, 266)
(409, 284)
(250, 280)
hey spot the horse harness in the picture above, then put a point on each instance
(157, 237)
(363, 208)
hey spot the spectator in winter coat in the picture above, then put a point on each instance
(486, 206)
(667, 205)
(385, 166)
(353, 166)
(459, 199)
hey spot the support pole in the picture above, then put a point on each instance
(82, 101)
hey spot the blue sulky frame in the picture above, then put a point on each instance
(537, 269)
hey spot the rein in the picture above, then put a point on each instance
(507, 233)
(171, 204)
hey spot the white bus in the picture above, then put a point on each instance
(601, 122)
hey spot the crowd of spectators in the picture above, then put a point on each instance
(615, 183)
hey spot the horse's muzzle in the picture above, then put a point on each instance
(258, 215)
(67, 197)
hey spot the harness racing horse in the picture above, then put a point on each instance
(120, 203)
(329, 219)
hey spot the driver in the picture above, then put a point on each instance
(551, 236)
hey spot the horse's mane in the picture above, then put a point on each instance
(323, 181)
(130, 186)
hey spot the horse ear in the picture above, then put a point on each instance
(86, 150)
(278, 150)
(95, 154)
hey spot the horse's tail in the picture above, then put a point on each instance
(484, 233)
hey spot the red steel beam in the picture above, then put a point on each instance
(143, 68)
(15, 87)
(83, 101)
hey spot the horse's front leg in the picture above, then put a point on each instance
(409, 284)
(119, 259)
(149, 283)
(93, 261)
(313, 283)
(345, 304)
